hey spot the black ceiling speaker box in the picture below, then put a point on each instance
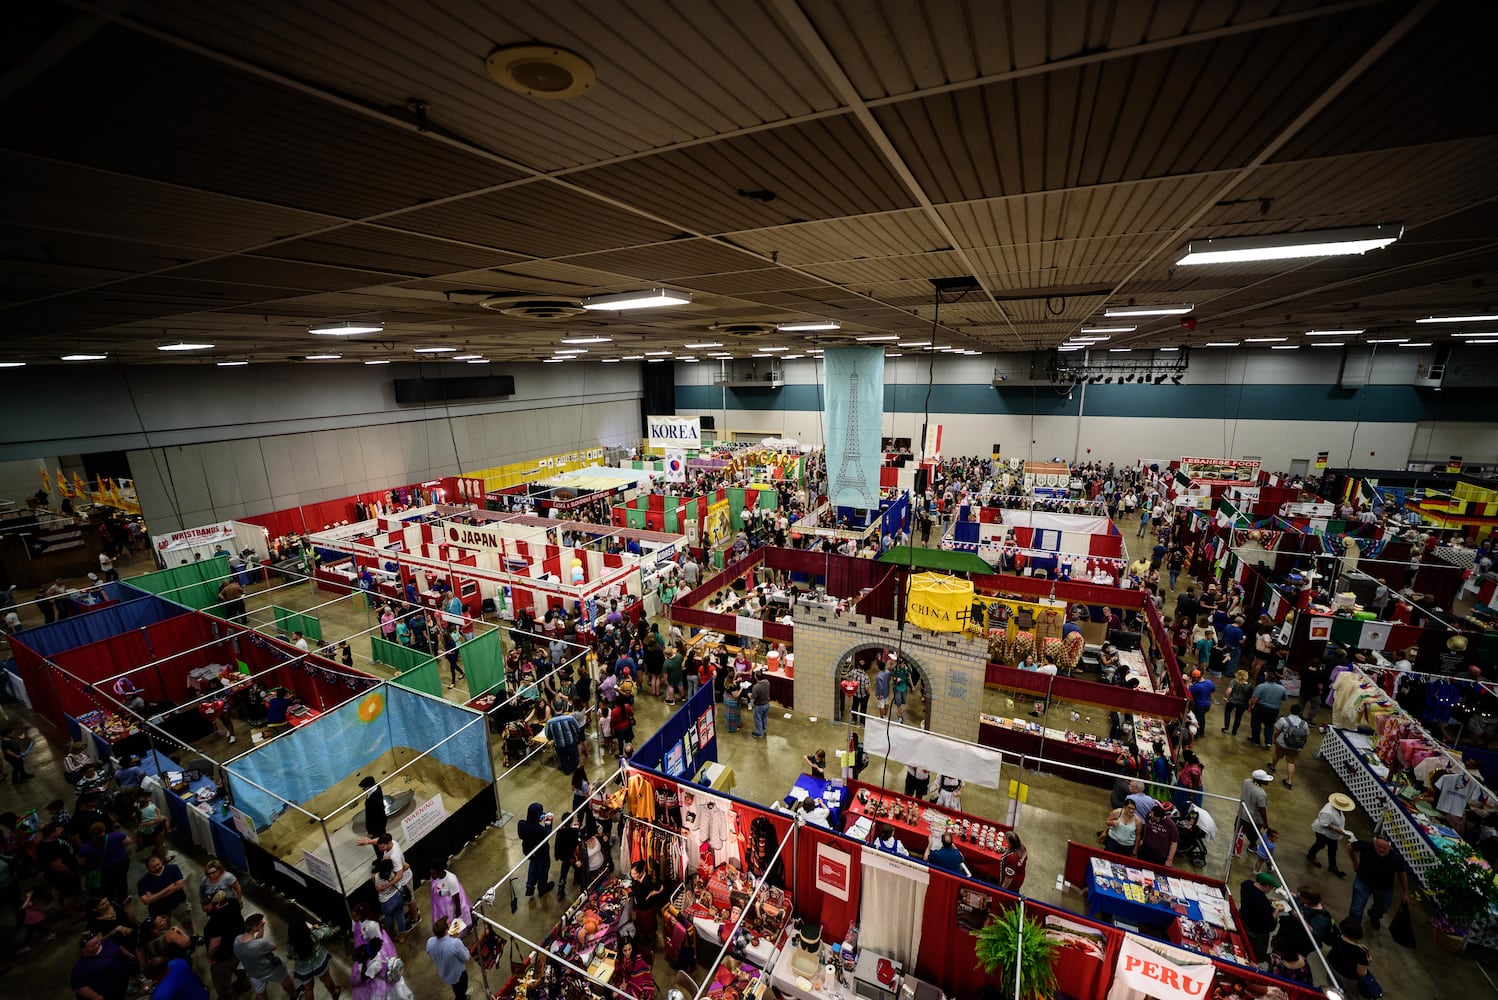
(441, 390)
(708, 422)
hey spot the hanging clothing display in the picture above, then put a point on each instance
(707, 822)
(662, 853)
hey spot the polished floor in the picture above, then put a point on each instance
(1056, 810)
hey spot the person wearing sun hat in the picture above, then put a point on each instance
(1330, 826)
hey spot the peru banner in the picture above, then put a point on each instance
(853, 382)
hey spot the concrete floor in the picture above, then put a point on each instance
(1057, 810)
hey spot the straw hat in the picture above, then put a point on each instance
(1342, 802)
(1457, 643)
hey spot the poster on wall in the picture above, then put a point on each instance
(1220, 470)
(676, 761)
(674, 432)
(705, 728)
(1163, 972)
(973, 908)
(833, 869)
(208, 534)
(854, 384)
(1321, 629)
(676, 465)
(1320, 464)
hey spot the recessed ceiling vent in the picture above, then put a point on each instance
(537, 307)
(542, 71)
(743, 329)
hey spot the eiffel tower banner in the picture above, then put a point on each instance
(854, 416)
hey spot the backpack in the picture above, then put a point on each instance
(1295, 736)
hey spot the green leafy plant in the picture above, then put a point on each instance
(1009, 934)
(1463, 890)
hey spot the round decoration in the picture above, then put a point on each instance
(372, 707)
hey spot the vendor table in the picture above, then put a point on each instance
(213, 832)
(608, 900)
(783, 979)
(782, 688)
(916, 831)
(86, 602)
(718, 777)
(818, 788)
(300, 715)
(1018, 737)
(1183, 910)
(108, 735)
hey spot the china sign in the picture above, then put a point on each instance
(674, 432)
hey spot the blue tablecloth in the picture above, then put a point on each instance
(817, 788)
(1102, 901)
(228, 846)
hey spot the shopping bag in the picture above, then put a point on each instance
(1400, 929)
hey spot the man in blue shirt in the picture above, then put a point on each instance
(563, 731)
(1202, 690)
(451, 958)
(947, 856)
(1232, 638)
(130, 775)
(1264, 708)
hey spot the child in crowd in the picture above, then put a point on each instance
(1265, 849)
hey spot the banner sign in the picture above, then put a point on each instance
(674, 432)
(833, 867)
(931, 452)
(854, 384)
(1221, 470)
(1320, 464)
(471, 537)
(206, 535)
(320, 869)
(938, 603)
(1163, 972)
(676, 465)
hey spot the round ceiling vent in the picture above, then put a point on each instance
(743, 329)
(541, 71)
(549, 307)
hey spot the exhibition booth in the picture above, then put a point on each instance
(707, 521)
(1084, 547)
(300, 798)
(763, 900)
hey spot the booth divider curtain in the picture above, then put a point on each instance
(484, 662)
(288, 621)
(414, 669)
(835, 915)
(95, 626)
(894, 906)
(194, 585)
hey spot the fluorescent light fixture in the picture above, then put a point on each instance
(722, 357)
(570, 350)
(323, 357)
(344, 329)
(814, 350)
(475, 357)
(1119, 350)
(650, 298)
(1108, 329)
(378, 361)
(762, 355)
(1390, 340)
(1096, 338)
(1418, 343)
(690, 361)
(633, 357)
(893, 354)
(1168, 349)
(653, 354)
(702, 346)
(1290, 246)
(808, 327)
(1265, 340)
(184, 345)
(12, 364)
(478, 361)
(1217, 343)
(772, 350)
(655, 361)
(1333, 333)
(231, 364)
(797, 357)
(609, 361)
(1113, 312)
(1482, 340)
(1067, 348)
(83, 357)
(552, 361)
(1329, 343)
(587, 340)
(914, 343)
(875, 338)
(1472, 318)
(435, 350)
(1285, 347)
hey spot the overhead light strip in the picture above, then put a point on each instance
(347, 329)
(1178, 309)
(1472, 318)
(1291, 246)
(650, 298)
(809, 327)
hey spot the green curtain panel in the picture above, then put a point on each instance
(484, 662)
(673, 522)
(289, 621)
(634, 518)
(393, 654)
(194, 585)
(425, 678)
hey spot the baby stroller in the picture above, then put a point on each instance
(1196, 828)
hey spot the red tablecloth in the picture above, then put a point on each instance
(916, 835)
(1015, 741)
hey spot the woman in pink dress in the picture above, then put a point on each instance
(449, 901)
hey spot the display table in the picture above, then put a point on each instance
(300, 715)
(87, 601)
(818, 788)
(718, 777)
(1194, 914)
(917, 821)
(786, 980)
(608, 900)
(1017, 736)
(782, 688)
(108, 735)
(212, 831)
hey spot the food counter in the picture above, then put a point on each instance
(916, 822)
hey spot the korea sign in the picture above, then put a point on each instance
(674, 432)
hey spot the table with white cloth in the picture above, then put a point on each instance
(212, 831)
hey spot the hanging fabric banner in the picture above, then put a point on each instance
(676, 465)
(1161, 972)
(854, 383)
(938, 603)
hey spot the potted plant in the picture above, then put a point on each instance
(1464, 891)
(1008, 934)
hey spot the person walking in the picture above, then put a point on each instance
(1330, 826)
(1290, 735)
(1253, 805)
(1159, 838)
(565, 735)
(534, 831)
(1202, 689)
(258, 956)
(760, 694)
(310, 961)
(450, 956)
(860, 678)
(1376, 866)
(1264, 709)
(1235, 701)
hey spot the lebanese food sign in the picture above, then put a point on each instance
(674, 432)
(1221, 470)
